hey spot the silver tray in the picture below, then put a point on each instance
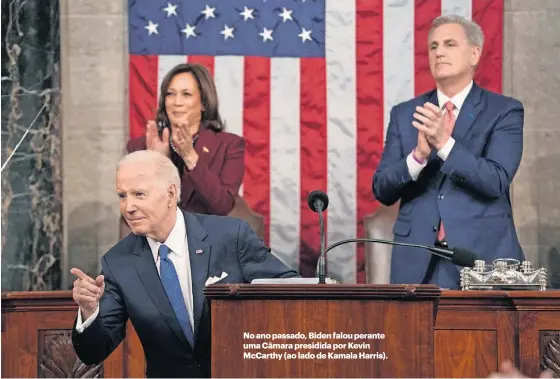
(504, 274)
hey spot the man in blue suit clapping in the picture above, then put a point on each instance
(450, 156)
(156, 275)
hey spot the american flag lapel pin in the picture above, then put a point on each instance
(199, 251)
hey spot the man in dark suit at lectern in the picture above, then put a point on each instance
(156, 275)
(450, 157)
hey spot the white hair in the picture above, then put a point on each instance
(473, 31)
(165, 170)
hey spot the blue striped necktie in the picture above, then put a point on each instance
(170, 282)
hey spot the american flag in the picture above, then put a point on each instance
(309, 84)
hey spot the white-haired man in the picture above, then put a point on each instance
(156, 275)
(450, 156)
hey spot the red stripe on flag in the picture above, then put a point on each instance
(490, 16)
(313, 156)
(424, 13)
(205, 60)
(256, 131)
(142, 93)
(369, 87)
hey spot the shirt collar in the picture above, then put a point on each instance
(457, 100)
(176, 239)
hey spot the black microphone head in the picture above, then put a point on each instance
(320, 197)
(463, 257)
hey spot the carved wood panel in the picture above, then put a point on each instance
(57, 358)
(549, 342)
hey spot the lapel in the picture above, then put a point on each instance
(206, 147)
(199, 255)
(468, 113)
(147, 270)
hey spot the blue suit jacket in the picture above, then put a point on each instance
(469, 191)
(133, 290)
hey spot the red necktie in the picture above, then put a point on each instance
(448, 123)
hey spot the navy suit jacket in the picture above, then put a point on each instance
(133, 290)
(469, 191)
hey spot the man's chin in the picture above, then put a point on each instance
(139, 231)
(446, 76)
(439, 76)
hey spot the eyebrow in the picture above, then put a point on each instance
(180, 90)
(446, 40)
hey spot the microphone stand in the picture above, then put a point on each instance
(322, 262)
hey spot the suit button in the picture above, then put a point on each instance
(434, 228)
(196, 364)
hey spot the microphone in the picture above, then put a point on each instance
(318, 201)
(458, 256)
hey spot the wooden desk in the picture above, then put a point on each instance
(476, 330)
(473, 332)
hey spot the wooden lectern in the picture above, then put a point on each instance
(328, 331)
(474, 331)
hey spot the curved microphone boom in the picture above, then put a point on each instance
(458, 256)
(318, 201)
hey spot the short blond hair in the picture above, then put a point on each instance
(165, 170)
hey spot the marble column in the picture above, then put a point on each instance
(31, 179)
(94, 114)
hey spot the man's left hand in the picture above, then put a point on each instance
(429, 119)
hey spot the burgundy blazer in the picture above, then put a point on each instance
(211, 187)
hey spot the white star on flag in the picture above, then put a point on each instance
(208, 12)
(266, 35)
(286, 15)
(305, 35)
(227, 32)
(189, 31)
(171, 10)
(247, 14)
(151, 28)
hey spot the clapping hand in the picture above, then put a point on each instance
(183, 144)
(154, 141)
(429, 121)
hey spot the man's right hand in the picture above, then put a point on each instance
(153, 140)
(423, 148)
(87, 292)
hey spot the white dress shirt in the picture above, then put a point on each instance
(414, 168)
(179, 255)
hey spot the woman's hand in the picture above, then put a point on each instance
(155, 142)
(183, 144)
